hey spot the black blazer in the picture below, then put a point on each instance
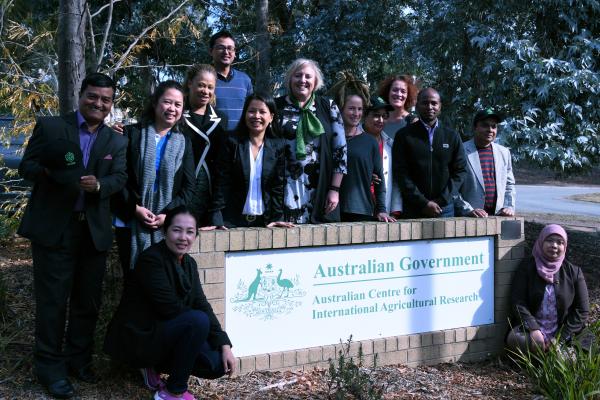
(428, 172)
(571, 292)
(159, 290)
(233, 176)
(51, 204)
(207, 142)
(123, 203)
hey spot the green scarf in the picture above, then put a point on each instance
(309, 126)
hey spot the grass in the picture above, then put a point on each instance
(589, 197)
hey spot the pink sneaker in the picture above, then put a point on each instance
(163, 394)
(152, 379)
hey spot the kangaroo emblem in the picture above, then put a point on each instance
(286, 284)
(253, 288)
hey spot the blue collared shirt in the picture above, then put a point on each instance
(86, 142)
(430, 131)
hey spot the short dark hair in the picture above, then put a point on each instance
(173, 212)
(99, 80)
(272, 130)
(148, 113)
(218, 35)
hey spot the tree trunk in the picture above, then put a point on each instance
(70, 37)
(263, 47)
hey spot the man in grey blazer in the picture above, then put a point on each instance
(489, 188)
(75, 163)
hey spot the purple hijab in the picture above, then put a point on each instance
(547, 268)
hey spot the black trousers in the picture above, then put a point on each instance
(66, 277)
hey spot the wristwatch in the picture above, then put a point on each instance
(97, 186)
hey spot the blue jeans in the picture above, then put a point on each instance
(447, 210)
(188, 351)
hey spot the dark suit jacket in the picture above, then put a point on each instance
(124, 202)
(233, 177)
(572, 302)
(428, 172)
(159, 290)
(51, 204)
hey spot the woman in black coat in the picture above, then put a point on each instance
(549, 296)
(160, 171)
(164, 322)
(250, 170)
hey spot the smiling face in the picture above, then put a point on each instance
(553, 247)
(258, 117)
(223, 52)
(429, 106)
(180, 235)
(95, 104)
(201, 90)
(352, 111)
(168, 109)
(303, 82)
(485, 132)
(375, 120)
(398, 94)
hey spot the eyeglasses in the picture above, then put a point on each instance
(223, 49)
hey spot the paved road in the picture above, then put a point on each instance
(553, 199)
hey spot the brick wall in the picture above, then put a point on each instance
(461, 344)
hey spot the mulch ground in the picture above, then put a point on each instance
(494, 379)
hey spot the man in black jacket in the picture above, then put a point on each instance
(429, 161)
(75, 163)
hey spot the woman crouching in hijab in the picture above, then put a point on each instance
(549, 297)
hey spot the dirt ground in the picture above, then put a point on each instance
(494, 379)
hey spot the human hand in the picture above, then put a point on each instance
(396, 214)
(506, 212)
(145, 216)
(228, 359)
(118, 127)
(432, 209)
(384, 217)
(88, 183)
(281, 224)
(478, 213)
(537, 338)
(333, 198)
(376, 180)
(159, 220)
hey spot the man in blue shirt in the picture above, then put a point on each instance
(232, 85)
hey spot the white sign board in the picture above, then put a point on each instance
(286, 299)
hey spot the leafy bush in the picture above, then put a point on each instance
(351, 380)
(564, 372)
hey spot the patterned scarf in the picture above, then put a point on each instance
(155, 201)
(309, 126)
(547, 268)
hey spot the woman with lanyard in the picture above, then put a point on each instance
(376, 115)
(400, 91)
(164, 323)
(549, 297)
(316, 146)
(251, 170)
(204, 126)
(364, 160)
(160, 169)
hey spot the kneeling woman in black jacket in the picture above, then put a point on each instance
(549, 297)
(251, 170)
(164, 322)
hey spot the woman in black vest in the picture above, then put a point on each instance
(251, 170)
(316, 147)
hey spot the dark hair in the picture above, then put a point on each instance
(99, 80)
(148, 113)
(412, 87)
(272, 129)
(173, 212)
(348, 86)
(219, 35)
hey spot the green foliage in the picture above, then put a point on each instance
(350, 380)
(564, 372)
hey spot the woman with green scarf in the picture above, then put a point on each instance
(316, 147)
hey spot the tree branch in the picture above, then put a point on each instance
(142, 34)
(89, 15)
(106, 32)
(103, 7)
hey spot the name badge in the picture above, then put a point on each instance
(446, 146)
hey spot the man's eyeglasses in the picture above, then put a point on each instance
(223, 49)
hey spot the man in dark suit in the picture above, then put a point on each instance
(75, 163)
(429, 161)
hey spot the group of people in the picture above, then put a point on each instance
(212, 154)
